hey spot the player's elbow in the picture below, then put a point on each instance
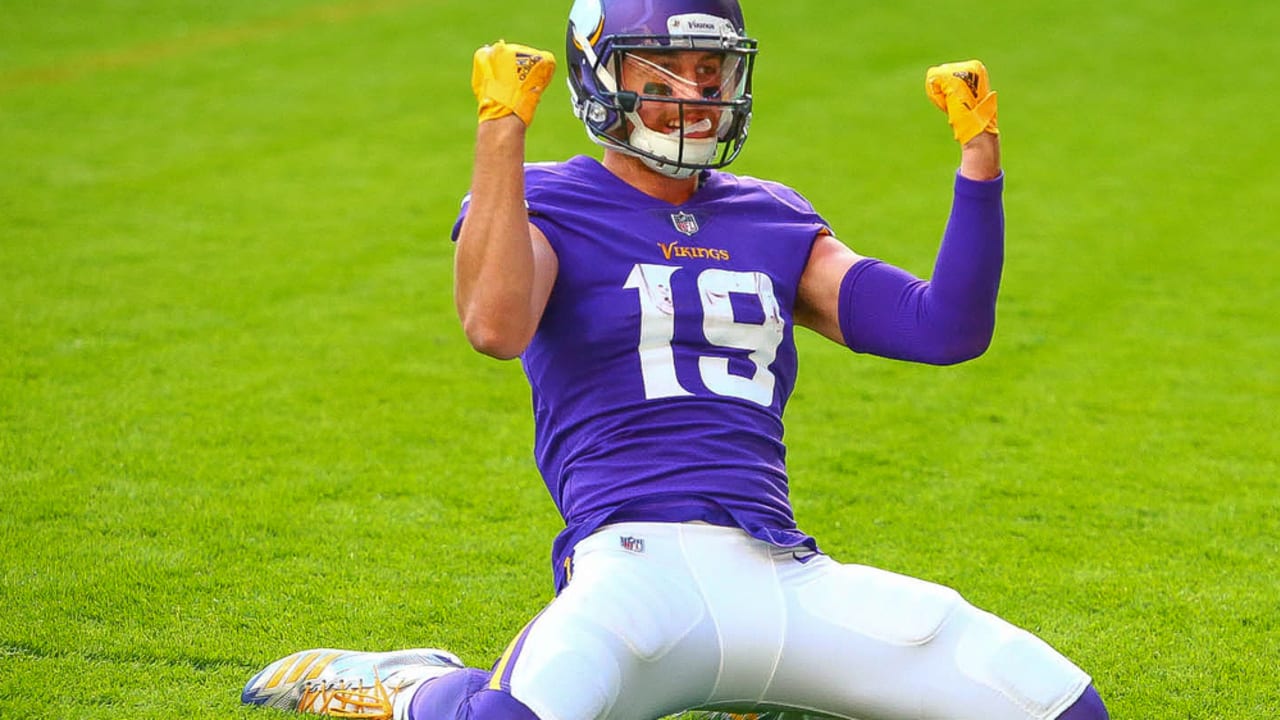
(957, 344)
(494, 339)
(960, 352)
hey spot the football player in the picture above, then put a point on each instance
(653, 301)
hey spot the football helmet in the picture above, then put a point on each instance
(668, 81)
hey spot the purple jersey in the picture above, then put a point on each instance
(666, 354)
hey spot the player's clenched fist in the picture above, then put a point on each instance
(510, 79)
(962, 90)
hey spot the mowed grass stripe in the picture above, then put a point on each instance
(198, 41)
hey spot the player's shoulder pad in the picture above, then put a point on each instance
(557, 184)
(780, 193)
(548, 172)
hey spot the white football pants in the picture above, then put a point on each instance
(658, 618)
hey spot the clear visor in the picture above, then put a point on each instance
(685, 75)
(681, 103)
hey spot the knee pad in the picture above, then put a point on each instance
(561, 683)
(1017, 664)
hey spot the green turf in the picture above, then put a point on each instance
(237, 417)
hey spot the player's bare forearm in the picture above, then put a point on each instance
(980, 157)
(494, 262)
(503, 266)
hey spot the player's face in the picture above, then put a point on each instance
(664, 79)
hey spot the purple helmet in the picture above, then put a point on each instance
(686, 61)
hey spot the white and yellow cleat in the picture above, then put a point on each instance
(346, 684)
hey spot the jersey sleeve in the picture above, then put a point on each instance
(786, 206)
(542, 197)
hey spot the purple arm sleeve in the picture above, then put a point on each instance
(948, 319)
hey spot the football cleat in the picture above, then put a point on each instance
(346, 684)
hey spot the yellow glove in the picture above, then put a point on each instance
(962, 90)
(510, 79)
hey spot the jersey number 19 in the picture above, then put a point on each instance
(719, 327)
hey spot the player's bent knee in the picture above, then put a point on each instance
(1017, 664)
(566, 672)
(567, 684)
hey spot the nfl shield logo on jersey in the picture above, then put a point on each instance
(685, 222)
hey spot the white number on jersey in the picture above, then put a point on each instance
(721, 329)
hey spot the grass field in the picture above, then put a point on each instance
(237, 417)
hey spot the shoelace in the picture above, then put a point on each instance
(335, 700)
